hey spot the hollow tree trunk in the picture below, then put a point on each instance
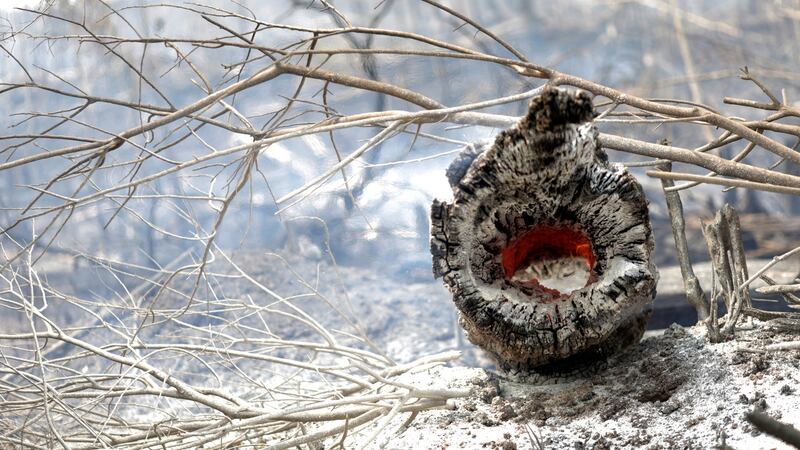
(546, 247)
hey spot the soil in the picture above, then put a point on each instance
(673, 390)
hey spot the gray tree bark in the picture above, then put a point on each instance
(543, 190)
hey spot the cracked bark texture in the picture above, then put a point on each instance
(547, 171)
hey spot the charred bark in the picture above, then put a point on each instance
(532, 213)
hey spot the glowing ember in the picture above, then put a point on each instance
(554, 258)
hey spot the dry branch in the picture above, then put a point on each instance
(126, 373)
(694, 292)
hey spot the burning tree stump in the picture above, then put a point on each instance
(546, 246)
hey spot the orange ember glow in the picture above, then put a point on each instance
(545, 242)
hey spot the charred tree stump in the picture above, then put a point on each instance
(546, 246)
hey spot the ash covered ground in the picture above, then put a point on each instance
(672, 391)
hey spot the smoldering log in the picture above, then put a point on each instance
(546, 247)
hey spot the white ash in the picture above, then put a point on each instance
(673, 390)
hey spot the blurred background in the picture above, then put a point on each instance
(362, 237)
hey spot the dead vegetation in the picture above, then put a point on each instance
(146, 350)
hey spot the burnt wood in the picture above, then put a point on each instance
(546, 173)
